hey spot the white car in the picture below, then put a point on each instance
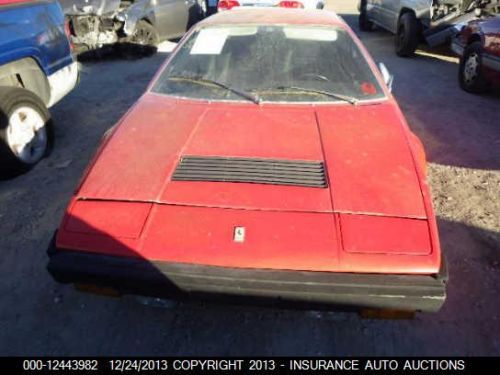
(306, 4)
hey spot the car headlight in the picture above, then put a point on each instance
(369, 234)
(107, 218)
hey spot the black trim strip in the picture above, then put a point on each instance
(256, 286)
(251, 170)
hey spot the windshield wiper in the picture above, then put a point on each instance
(346, 98)
(201, 80)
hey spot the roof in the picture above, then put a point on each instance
(275, 16)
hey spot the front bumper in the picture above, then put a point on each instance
(257, 286)
(62, 82)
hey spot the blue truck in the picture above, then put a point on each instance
(37, 69)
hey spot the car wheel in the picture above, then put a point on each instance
(26, 132)
(364, 23)
(407, 35)
(143, 42)
(469, 71)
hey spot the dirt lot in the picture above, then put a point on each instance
(461, 133)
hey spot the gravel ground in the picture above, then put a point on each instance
(461, 133)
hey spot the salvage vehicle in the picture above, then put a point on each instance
(36, 71)
(139, 24)
(414, 21)
(478, 46)
(292, 178)
(302, 4)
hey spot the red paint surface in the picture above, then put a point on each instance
(369, 163)
(368, 88)
(379, 234)
(205, 235)
(273, 240)
(371, 169)
(114, 219)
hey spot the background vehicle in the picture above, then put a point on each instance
(142, 23)
(478, 46)
(291, 177)
(306, 4)
(413, 21)
(36, 71)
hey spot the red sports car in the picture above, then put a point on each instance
(267, 159)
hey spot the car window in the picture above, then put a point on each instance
(273, 62)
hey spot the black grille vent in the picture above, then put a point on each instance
(250, 170)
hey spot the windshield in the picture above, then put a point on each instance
(270, 63)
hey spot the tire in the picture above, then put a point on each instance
(142, 43)
(470, 76)
(407, 35)
(21, 108)
(364, 23)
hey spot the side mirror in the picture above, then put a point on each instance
(388, 77)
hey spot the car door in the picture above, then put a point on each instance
(373, 10)
(171, 17)
(492, 37)
(389, 13)
(491, 30)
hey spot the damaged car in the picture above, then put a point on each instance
(292, 178)
(434, 22)
(140, 24)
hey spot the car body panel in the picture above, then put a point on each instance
(385, 13)
(169, 16)
(361, 234)
(358, 145)
(34, 29)
(302, 241)
(125, 171)
(491, 32)
(117, 20)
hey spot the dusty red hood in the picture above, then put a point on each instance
(369, 165)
